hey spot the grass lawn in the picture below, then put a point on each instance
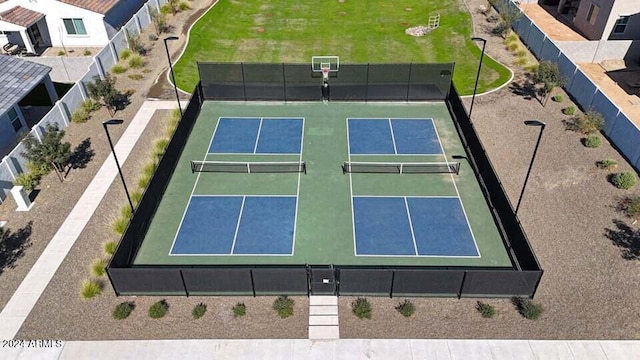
(357, 31)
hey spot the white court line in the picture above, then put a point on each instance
(241, 154)
(255, 145)
(235, 235)
(453, 181)
(295, 216)
(412, 196)
(413, 235)
(173, 243)
(393, 138)
(353, 218)
(241, 195)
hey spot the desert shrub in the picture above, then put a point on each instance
(532, 68)
(98, 267)
(557, 98)
(527, 308)
(588, 123)
(624, 180)
(136, 196)
(79, 116)
(361, 308)
(136, 61)
(160, 146)
(143, 181)
(135, 45)
(109, 247)
(521, 52)
(520, 61)
(283, 306)
(239, 310)
(631, 206)
(90, 289)
(135, 76)
(513, 46)
(86, 52)
(125, 54)
(486, 310)
(149, 168)
(158, 309)
(90, 105)
(61, 53)
(406, 308)
(592, 141)
(152, 37)
(146, 71)
(512, 37)
(119, 225)
(569, 110)
(27, 180)
(607, 164)
(166, 9)
(125, 211)
(123, 310)
(118, 69)
(184, 6)
(199, 311)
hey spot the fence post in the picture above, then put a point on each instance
(114, 52)
(83, 91)
(98, 63)
(63, 112)
(11, 171)
(148, 12)
(137, 22)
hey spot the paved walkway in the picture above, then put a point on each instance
(334, 349)
(24, 299)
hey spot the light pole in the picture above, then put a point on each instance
(535, 151)
(173, 78)
(475, 87)
(117, 122)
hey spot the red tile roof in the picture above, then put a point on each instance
(21, 16)
(98, 6)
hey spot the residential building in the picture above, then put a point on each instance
(604, 19)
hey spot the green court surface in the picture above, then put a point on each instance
(324, 229)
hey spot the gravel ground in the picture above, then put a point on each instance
(588, 290)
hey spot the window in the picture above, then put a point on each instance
(593, 14)
(74, 26)
(621, 24)
(15, 120)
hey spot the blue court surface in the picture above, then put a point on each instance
(393, 136)
(257, 136)
(237, 225)
(412, 226)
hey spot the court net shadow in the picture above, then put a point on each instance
(13, 245)
(626, 238)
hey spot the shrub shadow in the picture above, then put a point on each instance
(626, 238)
(13, 245)
(81, 155)
(525, 88)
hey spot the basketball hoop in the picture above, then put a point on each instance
(325, 73)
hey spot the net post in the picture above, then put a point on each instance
(401, 168)
(193, 169)
(248, 168)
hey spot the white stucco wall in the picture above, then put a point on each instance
(595, 31)
(624, 7)
(55, 11)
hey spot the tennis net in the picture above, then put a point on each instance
(401, 168)
(248, 167)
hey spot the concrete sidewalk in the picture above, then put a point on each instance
(334, 349)
(24, 299)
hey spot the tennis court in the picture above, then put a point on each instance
(314, 183)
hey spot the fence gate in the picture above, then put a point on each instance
(323, 280)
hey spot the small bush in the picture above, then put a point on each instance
(406, 308)
(80, 116)
(557, 98)
(522, 52)
(528, 308)
(283, 306)
(136, 196)
(150, 168)
(199, 311)
(532, 68)
(125, 54)
(592, 141)
(631, 206)
(513, 46)
(512, 37)
(90, 105)
(486, 310)
(90, 289)
(152, 37)
(86, 52)
(136, 61)
(98, 267)
(119, 225)
(607, 164)
(146, 71)
(123, 310)
(135, 76)
(589, 123)
(569, 110)
(61, 53)
(118, 69)
(166, 9)
(158, 309)
(521, 61)
(184, 6)
(361, 308)
(625, 180)
(239, 310)
(159, 147)
(109, 247)
(27, 180)
(143, 181)
(125, 211)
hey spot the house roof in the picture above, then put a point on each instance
(17, 78)
(98, 6)
(20, 16)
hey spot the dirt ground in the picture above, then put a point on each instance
(589, 290)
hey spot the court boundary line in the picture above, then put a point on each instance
(193, 189)
(235, 234)
(255, 144)
(393, 138)
(353, 219)
(453, 181)
(411, 223)
(295, 215)
(241, 195)
(413, 235)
